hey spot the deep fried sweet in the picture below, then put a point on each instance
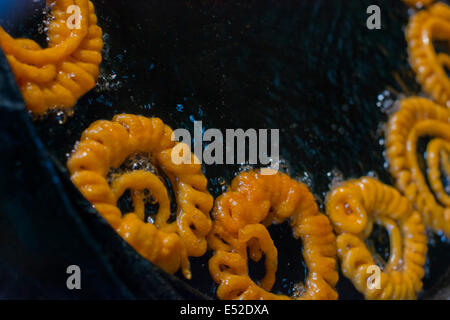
(353, 208)
(430, 66)
(107, 144)
(420, 118)
(57, 76)
(241, 215)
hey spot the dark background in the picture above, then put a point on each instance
(310, 68)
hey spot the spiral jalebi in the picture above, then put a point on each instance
(106, 145)
(354, 208)
(430, 66)
(420, 118)
(241, 216)
(57, 76)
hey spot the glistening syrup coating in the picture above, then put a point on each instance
(241, 216)
(107, 144)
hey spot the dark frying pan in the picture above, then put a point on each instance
(310, 68)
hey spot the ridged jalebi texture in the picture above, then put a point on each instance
(418, 3)
(420, 118)
(57, 76)
(430, 66)
(107, 144)
(353, 209)
(253, 202)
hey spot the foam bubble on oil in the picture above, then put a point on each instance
(218, 184)
(60, 116)
(336, 178)
(47, 19)
(305, 178)
(387, 102)
(139, 161)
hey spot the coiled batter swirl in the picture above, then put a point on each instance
(430, 66)
(420, 118)
(353, 208)
(107, 144)
(57, 76)
(241, 215)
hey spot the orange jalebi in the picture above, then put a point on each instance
(106, 145)
(353, 209)
(241, 215)
(430, 66)
(57, 76)
(420, 118)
